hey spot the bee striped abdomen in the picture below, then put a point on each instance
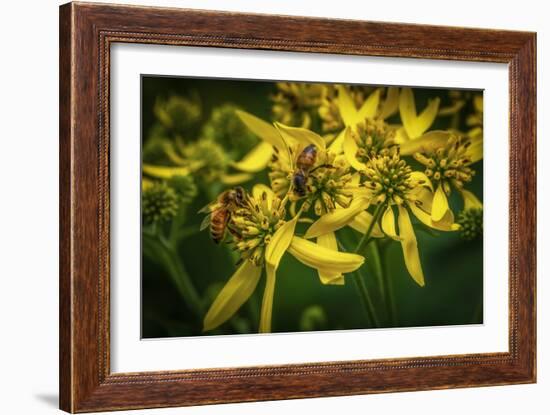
(218, 224)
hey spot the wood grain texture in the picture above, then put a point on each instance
(86, 33)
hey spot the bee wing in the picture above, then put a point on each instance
(209, 208)
(205, 223)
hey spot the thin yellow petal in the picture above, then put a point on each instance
(391, 103)
(350, 151)
(233, 179)
(256, 160)
(336, 146)
(233, 295)
(337, 219)
(361, 224)
(440, 204)
(164, 172)
(422, 180)
(259, 189)
(475, 151)
(410, 246)
(407, 111)
(416, 125)
(264, 130)
(267, 300)
(470, 200)
(280, 241)
(369, 107)
(348, 112)
(426, 143)
(401, 136)
(329, 241)
(427, 117)
(300, 135)
(446, 224)
(316, 256)
(388, 223)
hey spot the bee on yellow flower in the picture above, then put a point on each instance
(262, 234)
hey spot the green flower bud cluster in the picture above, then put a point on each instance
(178, 115)
(185, 188)
(471, 224)
(212, 158)
(160, 203)
(225, 128)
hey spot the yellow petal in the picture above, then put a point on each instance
(336, 146)
(409, 246)
(416, 125)
(164, 172)
(329, 241)
(388, 223)
(369, 107)
(426, 143)
(470, 200)
(146, 183)
(256, 160)
(259, 189)
(337, 219)
(440, 204)
(350, 151)
(300, 135)
(445, 224)
(348, 112)
(233, 179)
(280, 241)
(475, 151)
(401, 136)
(361, 224)
(233, 295)
(316, 256)
(391, 103)
(478, 103)
(264, 130)
(267, 300)
(427, 117)
(421, 179)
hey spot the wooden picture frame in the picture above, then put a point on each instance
(86, 33)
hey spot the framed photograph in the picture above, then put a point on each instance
(261, 207)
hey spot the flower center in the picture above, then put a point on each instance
(389, 177)
(372, 136)
(449, 164)
(253, 226)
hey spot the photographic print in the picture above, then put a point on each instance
(281, 206)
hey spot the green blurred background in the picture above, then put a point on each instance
(453, 267)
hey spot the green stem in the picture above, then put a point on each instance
(366, 237)
(161, 251)
(388, 293)
(359, 280)
(365, 298)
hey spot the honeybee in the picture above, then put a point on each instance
(220, 212)
(304, 163)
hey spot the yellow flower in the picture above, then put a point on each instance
(262, 236)
(414, 125)
(389, 183)
(367, 140)
(294, 102)
(448, 166)
(370, 110)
